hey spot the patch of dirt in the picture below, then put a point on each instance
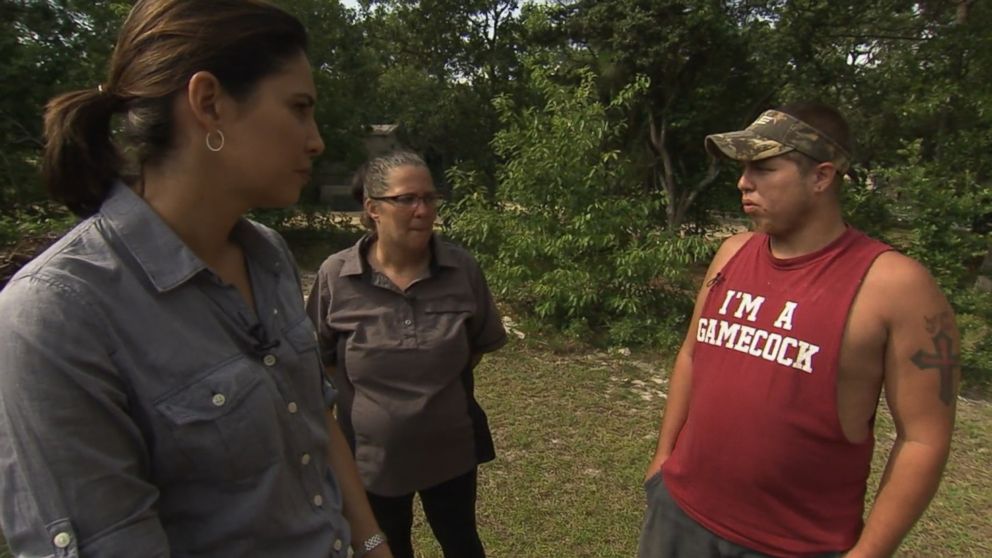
(307, 278)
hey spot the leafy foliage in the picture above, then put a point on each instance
(343, 73)
(33, 220)
(930, 213)
(45, 48)
(938, 212)
(440, 63)
(701, 80)
(974, 318)
(567, 236)
(578, 185)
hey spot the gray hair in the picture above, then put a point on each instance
(373, 178)
(377, 171)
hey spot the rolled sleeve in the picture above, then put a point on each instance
(73, 461)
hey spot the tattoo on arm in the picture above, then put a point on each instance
(944, 360)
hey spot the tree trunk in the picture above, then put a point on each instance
(963, 8)
(678, 200)
(657, 136)
(984, 280)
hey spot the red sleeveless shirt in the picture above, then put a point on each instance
(762, 460)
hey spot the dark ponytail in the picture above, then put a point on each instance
(80, 161)
(160, 45)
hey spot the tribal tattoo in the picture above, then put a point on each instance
(944, 360)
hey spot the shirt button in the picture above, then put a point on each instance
(337, 545)
(305, 459)
(62, 540)
(218, 400)
(407, 322)
(275, 311)
(292, 407)
(269, 360)
(318, 500)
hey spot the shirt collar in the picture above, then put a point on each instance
(442, 254)
(163, 256)
(355, 263)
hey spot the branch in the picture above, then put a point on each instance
(711, 173)
(658, 139)
(877, 37)
(28, 137)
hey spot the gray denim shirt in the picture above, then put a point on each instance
(145, 411)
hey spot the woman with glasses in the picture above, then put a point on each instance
(403, 317)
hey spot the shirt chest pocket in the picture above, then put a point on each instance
(309, 381)
(444, 320)
(302, 338)
(224, 426)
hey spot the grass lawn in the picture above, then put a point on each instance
(574, 430)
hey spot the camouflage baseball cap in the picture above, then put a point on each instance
(776, 133)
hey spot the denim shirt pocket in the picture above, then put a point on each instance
(224, 423)
(302, 335)
(302, 338)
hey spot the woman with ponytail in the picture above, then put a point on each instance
(161, 392)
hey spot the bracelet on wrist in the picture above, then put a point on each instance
(374, 541)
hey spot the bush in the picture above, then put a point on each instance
(929, 210)
(567, 237)
(32, 221)
(938, 207)
(312, 232)
(974, 317)
(868, 209)
(308, 223)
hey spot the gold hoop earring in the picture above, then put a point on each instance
(219, 147)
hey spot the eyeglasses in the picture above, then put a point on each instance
(410, 201)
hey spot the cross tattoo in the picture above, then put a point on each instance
(943, 360)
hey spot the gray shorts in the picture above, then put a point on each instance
(669, 533)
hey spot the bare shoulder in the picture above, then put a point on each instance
(724, 253)
(922, 362)
(895, 268)
(733, 243)
(728, 249)
(901, 285)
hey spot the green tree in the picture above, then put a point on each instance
(46, 48)
(441, 63)
(569, 237)
(696, 53)
(345, 71)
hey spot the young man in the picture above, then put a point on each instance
(766, 442)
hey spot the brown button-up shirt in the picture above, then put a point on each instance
(403, 364)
